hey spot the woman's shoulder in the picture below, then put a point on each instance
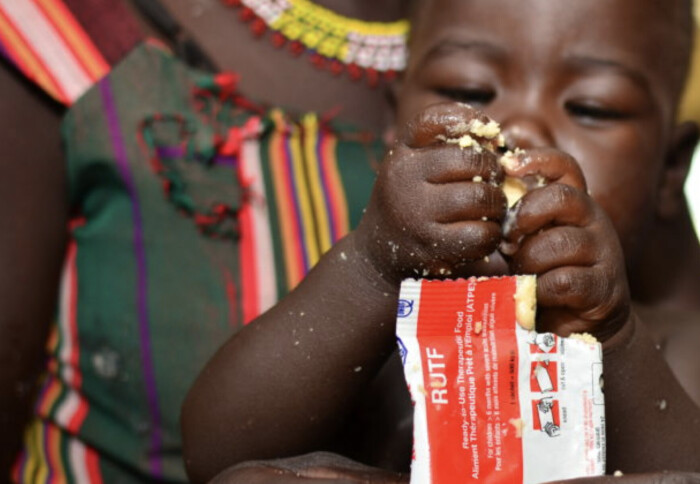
(65, 48)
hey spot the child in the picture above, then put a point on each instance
(584, 90)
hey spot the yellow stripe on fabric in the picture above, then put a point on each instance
(31, 455)
(36, 470)
(27, 473)
(81, 45)
(42, 474)
(303, 197)
(310, 125)
(337, 190)
(284, 201)
(26, 58)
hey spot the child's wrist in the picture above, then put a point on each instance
(375, 266)
(374, 276)
(621, 338)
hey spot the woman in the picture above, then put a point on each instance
(163, 175)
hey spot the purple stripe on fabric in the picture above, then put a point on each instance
(297, 204)
(122, 160)
(21, 465)
(42, 396)
(179, 152)
(333, 225)
(170, 152)
(226, 161)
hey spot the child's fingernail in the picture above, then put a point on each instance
(507, 248)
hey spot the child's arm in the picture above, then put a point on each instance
(562, 235)
(656, 478)
(285, 384)
(316, 468)
(652, 422)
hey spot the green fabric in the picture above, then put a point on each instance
(145, 274)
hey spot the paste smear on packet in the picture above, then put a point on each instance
(495, 402)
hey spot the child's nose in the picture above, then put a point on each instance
(527, 132)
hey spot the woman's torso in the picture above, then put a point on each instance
(147, 296)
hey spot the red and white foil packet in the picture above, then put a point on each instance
(496, 403)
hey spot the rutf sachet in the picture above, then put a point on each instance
(496, 402)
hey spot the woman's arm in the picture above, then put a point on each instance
(32, 238)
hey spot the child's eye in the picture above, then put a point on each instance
(473, 96)
(588, 112)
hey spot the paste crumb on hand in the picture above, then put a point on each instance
(526, 301)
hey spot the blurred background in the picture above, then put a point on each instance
(691, 110)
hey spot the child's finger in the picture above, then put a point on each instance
(556, 204)
(449, 163)
(555, 247)
(577, 288)
(553, 165)
(446, 120)
(465, 201)
(464, 241)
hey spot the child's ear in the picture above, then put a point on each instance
(671, 199)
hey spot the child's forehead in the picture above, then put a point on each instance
(647, 34)
(628, 19)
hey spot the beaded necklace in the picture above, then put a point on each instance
(373, 50)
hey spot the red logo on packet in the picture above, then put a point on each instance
(470, 380)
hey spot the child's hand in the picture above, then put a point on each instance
(566, 238)
(435, 206)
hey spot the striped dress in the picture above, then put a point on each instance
(194, 211)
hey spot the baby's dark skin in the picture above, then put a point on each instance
(593, 104)
(558, 231)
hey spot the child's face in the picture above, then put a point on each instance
(594, 78)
